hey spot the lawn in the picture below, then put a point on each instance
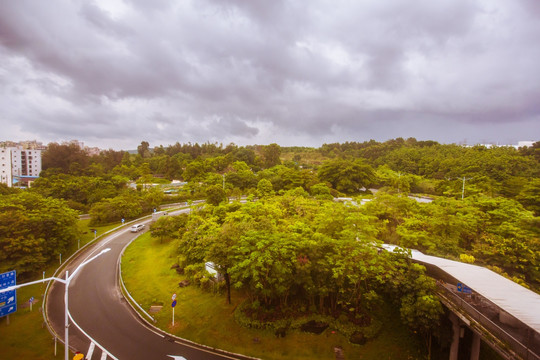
(206, 318)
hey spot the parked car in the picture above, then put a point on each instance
(137, 227)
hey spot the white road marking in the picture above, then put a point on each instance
(104, 356)
(177, 357)
(90, 350)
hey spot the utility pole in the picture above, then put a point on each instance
(463, 188)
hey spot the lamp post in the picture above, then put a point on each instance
(66, 282)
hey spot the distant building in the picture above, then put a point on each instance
(20, 164)
(74, 142)
(92, 151)
(26, 145)
(25, 162)
(5, 166)
(525, 143)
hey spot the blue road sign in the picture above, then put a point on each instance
(173, 303)
(8, 299)
(463, 288)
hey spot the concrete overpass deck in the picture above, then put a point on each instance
(507, 310)
(518, 301)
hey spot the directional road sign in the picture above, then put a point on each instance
(8, 299)
(463, 288)
(173, 303)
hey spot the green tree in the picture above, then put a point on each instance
(221, 252)
(215, 195)
(124, 206)
(144, 149)
(168, 227)
(6, 190)
(79, 191)
(347, 176)
(271, 154)
(241, 177)
(33, 231)
(195, 171)
(67, 158)
(530, 196)
(265, 188)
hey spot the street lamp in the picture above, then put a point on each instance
(66, 294)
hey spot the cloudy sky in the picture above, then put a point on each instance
(114, 73)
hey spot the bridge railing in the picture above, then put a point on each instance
(523, 350)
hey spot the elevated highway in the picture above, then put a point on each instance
(502, 313)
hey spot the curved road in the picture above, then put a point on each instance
(98, 307)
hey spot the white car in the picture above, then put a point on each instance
(137, 227)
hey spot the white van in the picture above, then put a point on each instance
(137, 227)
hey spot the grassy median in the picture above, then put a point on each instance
(206, 318)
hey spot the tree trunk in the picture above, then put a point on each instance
(429, 345)
(228, 285)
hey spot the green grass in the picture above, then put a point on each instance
(206, 318)
(27, 337)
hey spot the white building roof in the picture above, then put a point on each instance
(516, 300)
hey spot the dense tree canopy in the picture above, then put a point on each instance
(489, 179)
(68, 158)
(293, 251)
(496, 231)
(33, 231)
(290, 248)
(347, 176)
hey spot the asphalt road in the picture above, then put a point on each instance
(98, 307)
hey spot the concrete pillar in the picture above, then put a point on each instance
(475, 347)
(454, 348)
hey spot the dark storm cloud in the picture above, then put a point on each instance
(115, 72)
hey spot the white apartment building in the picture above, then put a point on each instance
(5, 166)
(18, 164)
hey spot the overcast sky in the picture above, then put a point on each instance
(114, 73)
